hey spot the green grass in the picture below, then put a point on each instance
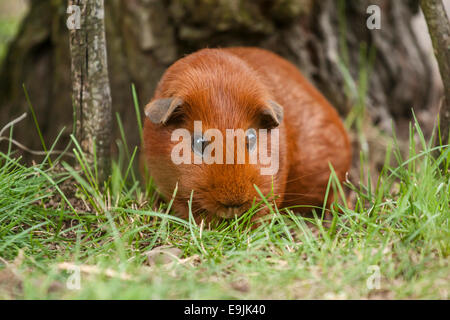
(50, 217)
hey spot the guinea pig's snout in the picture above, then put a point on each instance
(231, 191)
(229, 209)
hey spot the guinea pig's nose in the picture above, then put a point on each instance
(231, 209)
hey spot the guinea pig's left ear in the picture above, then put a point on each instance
(159, 111)
(272, 115)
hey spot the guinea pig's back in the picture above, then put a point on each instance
(288, 85)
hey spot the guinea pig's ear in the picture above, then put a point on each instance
(160, 111)
(272, 115)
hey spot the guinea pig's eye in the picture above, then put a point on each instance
(198, 144)
(251, 140)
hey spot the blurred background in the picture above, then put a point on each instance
(373, 77)
(11, 14)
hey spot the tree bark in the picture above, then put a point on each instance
(439, 28)
(91, 92)
(145, 36)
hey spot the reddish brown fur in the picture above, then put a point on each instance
(226, 88)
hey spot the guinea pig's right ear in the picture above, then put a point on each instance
(272, 115)
(160, 111)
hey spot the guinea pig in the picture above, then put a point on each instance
(271, 105)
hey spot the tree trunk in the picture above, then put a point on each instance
(323, 38)
(439, 27)
(91, 92)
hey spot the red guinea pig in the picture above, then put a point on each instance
(217, 110)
